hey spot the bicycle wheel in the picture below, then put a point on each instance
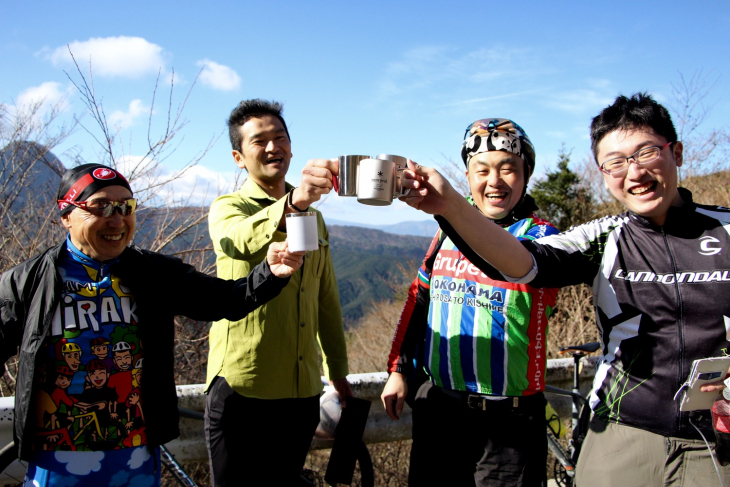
(563, 467)
(561, 476)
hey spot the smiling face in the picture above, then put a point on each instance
(123, 360)
(63, 381)
(97, 378)
(647, 190)
(101, 238)
(496, 180)
(265, 150)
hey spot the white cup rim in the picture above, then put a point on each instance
(304, 213)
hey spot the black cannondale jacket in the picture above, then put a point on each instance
(662, 300)
(162, 286)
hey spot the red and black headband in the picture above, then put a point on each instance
(81, 182)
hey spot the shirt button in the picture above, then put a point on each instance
(267, 235)
(301, 358)
(302, 288)
(301, 324)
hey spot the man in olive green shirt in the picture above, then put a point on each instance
(263, 371)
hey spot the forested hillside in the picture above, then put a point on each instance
(372, 266)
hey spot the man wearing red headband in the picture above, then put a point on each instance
(92, 289)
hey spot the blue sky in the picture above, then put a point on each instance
(361, 78)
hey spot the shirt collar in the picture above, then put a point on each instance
(82, 258)
(251, 189)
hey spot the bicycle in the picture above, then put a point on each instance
(566, 461)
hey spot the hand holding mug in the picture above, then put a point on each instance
(316, 181)
(283, 263)
(430, 192)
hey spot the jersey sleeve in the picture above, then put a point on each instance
(562, 259)
(411, 326)
(574, 256)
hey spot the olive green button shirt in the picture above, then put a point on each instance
(272, 352)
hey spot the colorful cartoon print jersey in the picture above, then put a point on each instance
(89, 394)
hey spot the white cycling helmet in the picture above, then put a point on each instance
(121, 347)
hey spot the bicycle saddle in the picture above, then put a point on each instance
(586, 348)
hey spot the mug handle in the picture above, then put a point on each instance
(398, 186)
(336, 183)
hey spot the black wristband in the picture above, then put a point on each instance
(290, 203)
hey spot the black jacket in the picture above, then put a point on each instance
(162, 286)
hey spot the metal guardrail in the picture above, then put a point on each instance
(190, 446)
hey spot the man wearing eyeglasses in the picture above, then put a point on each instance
(95, 286)
(661, 279)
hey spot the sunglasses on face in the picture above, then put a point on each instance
(105, 208)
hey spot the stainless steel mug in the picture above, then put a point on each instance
(400, 161)
(378, 182)
(346, 183)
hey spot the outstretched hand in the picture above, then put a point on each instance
(282, 262)
(430, 191)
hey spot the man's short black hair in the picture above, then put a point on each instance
(641, 110)
(249, 109)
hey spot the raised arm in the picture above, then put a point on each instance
(433, 194)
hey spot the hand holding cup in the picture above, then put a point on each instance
(430, 192)
(282, 261)
(316, 181)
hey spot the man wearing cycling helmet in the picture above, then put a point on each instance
(479, 419)
(661, 279)
(91, 290)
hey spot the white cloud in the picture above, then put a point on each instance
(196, 186)
(218, 76)
(138, 457)
(128, 57)
(78, 464)
(34, 106)
(122, 119)
(44, 97)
